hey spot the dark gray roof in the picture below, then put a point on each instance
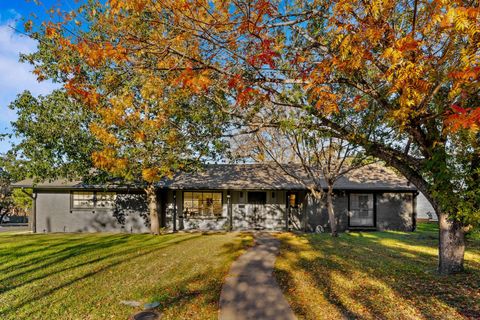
(70, 184)
(270, 176)
(234, 176)
(256, 177)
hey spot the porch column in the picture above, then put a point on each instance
(174, 218)
(229, 212)
(287, 211)
(414, 210)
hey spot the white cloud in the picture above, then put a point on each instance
(15, 77)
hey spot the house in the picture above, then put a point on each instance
(227, 197)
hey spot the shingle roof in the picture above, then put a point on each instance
(256, 177)
(266, 176)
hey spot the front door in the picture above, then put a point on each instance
(256, 206)
(361, 210)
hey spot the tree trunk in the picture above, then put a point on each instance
(331, 213)
(153, 209)
(451, 245)
(2, 214)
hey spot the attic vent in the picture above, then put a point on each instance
(146, 315)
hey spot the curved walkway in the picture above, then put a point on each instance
(250, 290)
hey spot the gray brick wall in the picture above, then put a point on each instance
(395, 211)
(54, 214)
(317, 214)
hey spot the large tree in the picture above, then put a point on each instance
(314, 158)
(51, 138)
(146, 126)
(399, 78)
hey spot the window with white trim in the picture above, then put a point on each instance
(93, 200)
(83, 200)
(202, 204)
(106, 200)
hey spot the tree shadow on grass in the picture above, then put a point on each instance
(204, 287)
(81, 261)
(384, 277)
(55, 260)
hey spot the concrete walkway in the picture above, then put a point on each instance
(250, 290)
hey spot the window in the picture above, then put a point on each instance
(361, 210)
(106, 200)
(91, 200)
(201, 204)
(83, 200)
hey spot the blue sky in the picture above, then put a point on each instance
(16, 77)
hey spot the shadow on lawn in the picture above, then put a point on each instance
(385, 276)
(201, 289)
(109, 251)
(73, 259)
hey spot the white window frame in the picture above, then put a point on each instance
(94, 200)
(203, 209)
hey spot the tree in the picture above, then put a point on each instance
(145, 126)
(5, 194)
(314, 158)
(399, 78)
(22, 200)
(52, 138)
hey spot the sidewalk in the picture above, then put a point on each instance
(250, 290)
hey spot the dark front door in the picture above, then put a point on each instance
(256, 203)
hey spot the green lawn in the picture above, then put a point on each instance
(376, 275)
(85, 276)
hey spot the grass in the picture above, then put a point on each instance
(85, 276)
(376, 275)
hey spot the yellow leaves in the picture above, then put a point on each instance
(392, 54)
(103, 135)
(194, 81)
(139, 136)
(155, 123)
(401, 49)
(106, 159)
(136, 6)
(112, 115)
(51, 31)
(150, 174)
(95, 54)
(457, 18)
(326, 100)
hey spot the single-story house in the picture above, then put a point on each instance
(227, 197)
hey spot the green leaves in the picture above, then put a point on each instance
(54, 140)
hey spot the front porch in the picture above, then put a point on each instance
(230, 209)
